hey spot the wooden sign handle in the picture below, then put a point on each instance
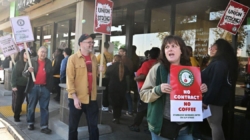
(28, 55)
(12, 59)
(224, 34)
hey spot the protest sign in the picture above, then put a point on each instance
(103, 16)
(185, 97)
(7, 45)
(103, 23)
(233, 17)
(22, 30)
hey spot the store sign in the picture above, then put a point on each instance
(185, 97)
(22, 4)
(201, 49)
(103, 16)
(21, 29)
(233, 17)
(7, 45)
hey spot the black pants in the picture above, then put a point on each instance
(105, 97)
(139, 117)
(91, 113)
(17, 100)
(57, 87)
(117, 99)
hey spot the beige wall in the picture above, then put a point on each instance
(5, 14)
(38, 12)
(84, 10)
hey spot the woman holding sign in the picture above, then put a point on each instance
(156, 92)
(220, 76)
(18, 83)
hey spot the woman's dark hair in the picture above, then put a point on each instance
(19, 56)
(185, 60)
(146, 53)
(117, 59)
(154, 53)
(190, 51)
(226, 52)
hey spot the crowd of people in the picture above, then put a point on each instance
(148, 81)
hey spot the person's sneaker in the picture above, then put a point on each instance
(130, 114)
(146, 131)
(16, 119)
(105, 109)
(31, 127)
(57, 99)
(111, 111)
(46, 130)
(134, 128)
(117, 121)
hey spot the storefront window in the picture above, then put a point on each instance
(72, 35)
(160, 19)
(46, 40)
(38, 37)
(62, 35)
(198, 26)
(160, 27)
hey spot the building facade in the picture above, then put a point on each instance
(144, 23)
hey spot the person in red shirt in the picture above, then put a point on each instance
(139, 78)
(39, 90)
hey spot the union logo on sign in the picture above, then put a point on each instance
(186, 77)
(20, 22)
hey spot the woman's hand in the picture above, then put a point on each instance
(166, 88)
(14, 89)
(203, 88)
(136, 78)
(204, 106)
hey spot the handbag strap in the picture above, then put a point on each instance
(105, 58)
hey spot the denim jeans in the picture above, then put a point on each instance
(41, 94)
(91, 112)
(129, 100)
(183, 135)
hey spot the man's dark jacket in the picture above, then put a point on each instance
(48, 69)
(57, 65)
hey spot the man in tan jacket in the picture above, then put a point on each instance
(81, 86)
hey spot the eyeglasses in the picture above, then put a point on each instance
(173, 46)
(90, 42)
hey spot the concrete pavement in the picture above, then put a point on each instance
(119, 131)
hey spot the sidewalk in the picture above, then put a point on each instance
(21, 127)
(119, 131)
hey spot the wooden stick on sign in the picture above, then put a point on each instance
(12, 59)
(30, 65)
(224, 34)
